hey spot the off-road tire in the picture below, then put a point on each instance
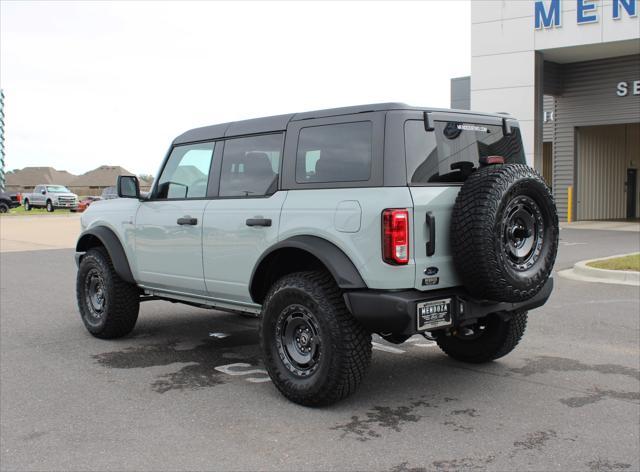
(27, 205)
(4, 208)
(481, 237)
(499, 339)
(50, 207)
(345, 349)
(122, 299)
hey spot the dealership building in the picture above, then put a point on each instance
(569, 70)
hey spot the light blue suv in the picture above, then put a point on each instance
(330, 226)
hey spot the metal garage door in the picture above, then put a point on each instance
(604, 153)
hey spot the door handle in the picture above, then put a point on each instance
(431, 244)
(187, 220)
(259, 222)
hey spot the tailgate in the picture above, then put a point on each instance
(442, 150)
(432, 207)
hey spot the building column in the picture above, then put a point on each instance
(538, 111)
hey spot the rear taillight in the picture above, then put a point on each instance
(395, 236)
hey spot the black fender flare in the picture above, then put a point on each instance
(114, 248)
(332, 257)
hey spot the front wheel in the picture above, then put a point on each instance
(490, 338)
(50, 206)
(315, 351)
(4, 208)
(108, 305)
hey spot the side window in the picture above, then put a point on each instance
(421, 152)
(38, 189)
(250, 166)
(334, 153)
(186, 173)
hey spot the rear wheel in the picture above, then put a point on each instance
(108, 305)
(315, 351)
(27, 205)
(489, 339)
(4, 208)
(50, 207)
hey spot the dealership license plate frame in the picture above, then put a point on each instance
(434, 314)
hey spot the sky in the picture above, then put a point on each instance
(113, 83)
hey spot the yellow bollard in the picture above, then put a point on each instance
(569, 203)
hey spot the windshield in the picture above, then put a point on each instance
(57, 189)
(453, 150)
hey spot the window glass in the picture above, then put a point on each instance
(57, 189)
(250, 166)
(186, 173)
(452, 151)
(334, 153)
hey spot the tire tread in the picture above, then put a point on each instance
(124, 298)
(353, 349)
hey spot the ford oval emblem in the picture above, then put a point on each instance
(431, 271)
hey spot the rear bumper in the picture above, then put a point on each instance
(382, 311)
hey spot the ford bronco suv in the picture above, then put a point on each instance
(330, 226)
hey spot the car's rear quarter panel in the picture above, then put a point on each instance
(332, 214)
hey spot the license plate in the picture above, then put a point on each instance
(434, 314)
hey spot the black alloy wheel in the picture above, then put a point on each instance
(298, 340)
(522, 233)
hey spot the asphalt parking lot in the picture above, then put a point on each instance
(187, 392)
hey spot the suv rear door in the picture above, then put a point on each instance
(441, 152)
(243, 221)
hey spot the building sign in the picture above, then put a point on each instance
(548, 13)
(628, 88)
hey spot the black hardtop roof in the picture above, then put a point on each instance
(279, 122)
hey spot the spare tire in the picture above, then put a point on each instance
(504, 233)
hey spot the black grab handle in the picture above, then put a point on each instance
(431, 244)
(187, 220)
(259, 222)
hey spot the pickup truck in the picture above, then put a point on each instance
(8, 201)
(50, 197)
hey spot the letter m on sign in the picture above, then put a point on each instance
(547, 18)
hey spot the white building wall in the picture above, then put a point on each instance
(504, 42)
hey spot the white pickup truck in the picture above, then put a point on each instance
(50, 197)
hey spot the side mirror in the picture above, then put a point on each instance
(44, 192)
(128, 186)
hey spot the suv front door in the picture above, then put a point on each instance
(243, 221)
(168, 225)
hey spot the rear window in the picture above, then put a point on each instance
(452, 151)
(334, 153)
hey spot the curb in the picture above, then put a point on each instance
(581, 271)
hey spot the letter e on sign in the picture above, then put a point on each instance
(586, 12)
(636, 87)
